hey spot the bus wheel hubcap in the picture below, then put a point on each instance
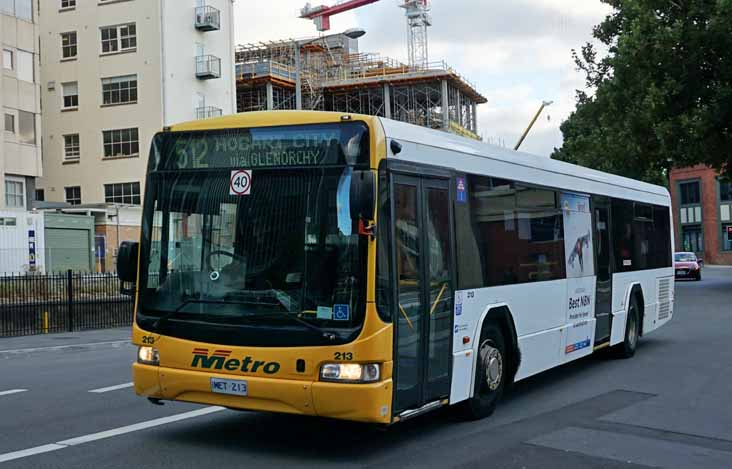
(632, 334)
(492, 364)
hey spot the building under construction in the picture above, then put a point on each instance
(336, 77)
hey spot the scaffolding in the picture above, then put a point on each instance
(336, 77)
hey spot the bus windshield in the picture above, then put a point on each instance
(271, 260)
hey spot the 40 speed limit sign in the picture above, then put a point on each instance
(240, 182)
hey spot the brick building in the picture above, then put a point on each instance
(702, 204)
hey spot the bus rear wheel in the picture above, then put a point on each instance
(490, 374)
(632, 332)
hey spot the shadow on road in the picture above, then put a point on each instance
(313, 439)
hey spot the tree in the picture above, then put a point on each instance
(662, 97)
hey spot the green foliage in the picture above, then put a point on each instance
(662, 97)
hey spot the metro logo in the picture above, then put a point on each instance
(219, 360)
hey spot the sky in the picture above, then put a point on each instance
(517, 53)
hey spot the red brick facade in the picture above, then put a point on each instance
(710, 223)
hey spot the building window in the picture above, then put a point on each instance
(725, 191)
(40, 195)
(121, 38)
(119, 90)
(7, 59)
(22, 9)
(68, 45)
(24, 66)
(73, 195)
(14, 193)
(68, 4)
(26, 127)
(71, 95)
(121, 142)
(124, 193)
(692, 239)
(9, 123)
(727, 237)
(690, 193)
(72, 149)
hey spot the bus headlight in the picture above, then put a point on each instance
(148, 356)
(350, 372)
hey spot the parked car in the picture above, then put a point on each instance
(687, 265)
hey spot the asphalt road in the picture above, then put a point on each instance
(667, 407)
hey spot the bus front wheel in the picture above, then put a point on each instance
(490, 374)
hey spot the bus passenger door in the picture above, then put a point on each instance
(424, 289)
(603, 257)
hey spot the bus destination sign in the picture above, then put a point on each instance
(255, 148)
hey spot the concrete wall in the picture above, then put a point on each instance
(92, 170)
(180, 38)
(20, 92)
(166, 40)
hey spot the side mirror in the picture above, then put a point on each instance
(363, 195)
(127, 261)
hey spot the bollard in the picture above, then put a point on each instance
(45, 322)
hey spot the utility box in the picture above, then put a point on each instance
(21, 242)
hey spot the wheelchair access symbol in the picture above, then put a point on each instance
(341, 313)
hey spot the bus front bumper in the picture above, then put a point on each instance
(357, 402)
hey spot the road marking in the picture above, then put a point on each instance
(29, 452)
(112, 388)
(107, 434)
(12, 391)
(65, 347)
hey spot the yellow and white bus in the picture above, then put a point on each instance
(359, 268)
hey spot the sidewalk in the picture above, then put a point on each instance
(50, 342)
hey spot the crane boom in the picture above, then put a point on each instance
(321, 14)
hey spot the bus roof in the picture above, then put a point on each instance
(423, 145)
(268, 119)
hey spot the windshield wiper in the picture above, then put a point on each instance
(169, 315)
(326, 334)
(189, 301)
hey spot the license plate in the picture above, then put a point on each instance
(235, 387)
(680, 272)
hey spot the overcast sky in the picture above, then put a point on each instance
(517, 53)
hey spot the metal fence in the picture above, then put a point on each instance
(41, 304)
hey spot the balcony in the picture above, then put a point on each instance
(208, 67)
(208, 112)
(208, 19)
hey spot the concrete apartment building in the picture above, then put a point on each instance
(114, 73)
(702, 205)
(20, 99)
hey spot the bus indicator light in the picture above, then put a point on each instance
(462, 195)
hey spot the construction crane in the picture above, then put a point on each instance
(321, 14)
(416, 11)
(418, 20)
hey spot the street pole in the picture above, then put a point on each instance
(298, 84)
(533, 121)
(117, 216)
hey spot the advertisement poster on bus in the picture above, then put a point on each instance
(580, 266)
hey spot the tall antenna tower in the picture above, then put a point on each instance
(418, 20)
